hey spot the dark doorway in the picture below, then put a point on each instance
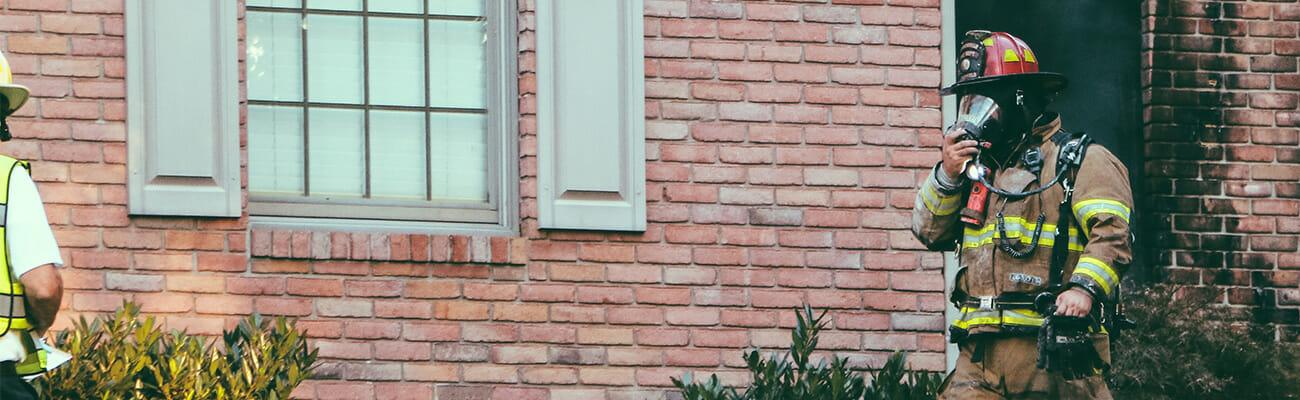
(1097, 45)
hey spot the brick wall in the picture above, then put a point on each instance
(1223, 163)
(785, 140)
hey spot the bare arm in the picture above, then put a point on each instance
(43, 289)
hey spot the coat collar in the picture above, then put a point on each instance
(1048, 124)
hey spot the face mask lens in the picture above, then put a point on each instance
(976, 113)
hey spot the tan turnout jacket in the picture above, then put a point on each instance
(1099, 240)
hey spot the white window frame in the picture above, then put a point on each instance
(948, 49)
(497, 217)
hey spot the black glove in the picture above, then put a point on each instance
(1064, 346)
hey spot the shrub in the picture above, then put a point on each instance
(794, 375)
(1189, 348)
(124, 357)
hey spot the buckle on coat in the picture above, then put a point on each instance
(986, 303)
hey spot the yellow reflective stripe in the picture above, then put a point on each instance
(972, 316)
(15, 323)
(1029, 56)
(1087, 209)
(938, 203)
(1098, 271)
(1017, 228)
(988, 41)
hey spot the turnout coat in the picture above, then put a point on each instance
(1099, 242)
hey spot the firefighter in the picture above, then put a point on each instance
(1039, 218)
(30, 300)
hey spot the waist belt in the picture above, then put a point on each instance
(1009, 301)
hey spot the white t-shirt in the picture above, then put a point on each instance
(31, 242)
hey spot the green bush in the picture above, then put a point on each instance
(1189, 348)
(124, 357)
(794, 375)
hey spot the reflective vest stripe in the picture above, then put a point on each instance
(1098, 271)
(938, 203)
(1017, 228)
(1087, 209)
(971, 316)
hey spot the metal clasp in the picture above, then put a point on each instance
(986, 303)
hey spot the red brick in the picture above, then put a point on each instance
(431, 332)
(403, 309)
(38, 44)
(689, 28)
(745, 30)
(604, 336)
(483, 291)
(749, 319)
(748, 236)
(547, 293)
(719, 256)
(663, 295)
(788, 32)
(786, 299)
(164, 302)
(225, 305)
(605, 295)
(433, 289)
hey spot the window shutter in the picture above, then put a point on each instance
(183, 107)
(591, 114)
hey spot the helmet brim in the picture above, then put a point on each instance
(1047, 82)
(17, 95)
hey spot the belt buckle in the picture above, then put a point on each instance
(986, 303)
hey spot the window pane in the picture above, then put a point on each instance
(275, 3)
(458, 156)
(397, 6)
(337, 145)
(458, 63)
(334, 61)
(397, 61)
(456, 7)
(275, 150)
(397, 154)
(346, 5)
(274, 56)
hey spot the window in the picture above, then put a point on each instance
(380, 109)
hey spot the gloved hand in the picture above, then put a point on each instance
(1064, 346)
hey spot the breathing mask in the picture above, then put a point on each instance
(979, 116)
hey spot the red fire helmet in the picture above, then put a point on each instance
(990, 60)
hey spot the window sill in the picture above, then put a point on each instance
(372, 243)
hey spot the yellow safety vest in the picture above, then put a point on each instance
(13, 308)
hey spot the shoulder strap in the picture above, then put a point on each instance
(1070, 155)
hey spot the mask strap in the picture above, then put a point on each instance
(4, 120)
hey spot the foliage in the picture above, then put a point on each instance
(1189, 348)
(910, 384)
(795, 375)
(124, 357)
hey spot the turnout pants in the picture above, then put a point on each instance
(1006, 367)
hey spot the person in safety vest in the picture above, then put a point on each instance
(30, 300)
(1039, 218)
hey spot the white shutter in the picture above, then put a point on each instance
(183, 107)
(591, 114)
